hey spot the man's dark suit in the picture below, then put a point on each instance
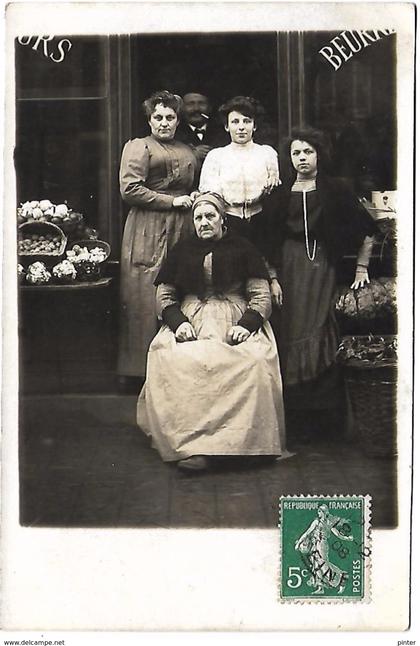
(214, 135)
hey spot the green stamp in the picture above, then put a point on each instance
(324, 548)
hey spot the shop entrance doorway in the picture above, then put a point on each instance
(217, 65)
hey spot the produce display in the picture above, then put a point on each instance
(377, 298)
(38, 274)
(36, 243)
(79, 254)
(88, 259)
(64, 272)
(369, 350)
(46, 211)
(44, 231)
(71, 222)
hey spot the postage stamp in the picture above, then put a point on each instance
(324, 548)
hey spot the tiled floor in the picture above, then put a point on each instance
(79, 473)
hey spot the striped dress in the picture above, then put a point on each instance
(152, 173)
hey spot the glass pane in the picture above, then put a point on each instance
(217, 65)
(80, 71)
(61, 154)
(356, 105)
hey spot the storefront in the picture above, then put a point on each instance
(79, 99)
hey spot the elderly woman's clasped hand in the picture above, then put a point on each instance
(237, 334)
(185, 332)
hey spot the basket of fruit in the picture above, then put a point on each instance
(41, 241)
(45, 211)
(370, 372)
(88, 258)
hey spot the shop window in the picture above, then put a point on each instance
(355, 104)
(61, 154)
(62, 126)
(79, 73)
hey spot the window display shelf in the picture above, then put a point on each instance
(102, 282)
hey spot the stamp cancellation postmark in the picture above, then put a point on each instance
(325, 548)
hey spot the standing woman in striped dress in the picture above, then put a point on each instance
(318, 221)
(156, 177)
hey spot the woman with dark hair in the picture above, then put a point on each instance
(213, 383)
(156, 177)
(318, 221)
(243, 172)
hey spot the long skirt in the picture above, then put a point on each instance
(306, 329)
(148, 235)
(207, 397)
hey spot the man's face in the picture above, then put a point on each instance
(195, 105)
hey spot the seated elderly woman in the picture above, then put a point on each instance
(213, 384)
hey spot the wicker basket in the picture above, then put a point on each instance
(90, 271)
(372, 389)
(41, 229)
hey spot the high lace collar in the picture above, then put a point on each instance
(242, 147)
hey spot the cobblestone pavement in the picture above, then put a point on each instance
(79, 473)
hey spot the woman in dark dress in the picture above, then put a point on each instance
(318, 220)
(156, 177)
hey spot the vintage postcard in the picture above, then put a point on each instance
(208, 316)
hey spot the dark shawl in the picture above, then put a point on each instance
(344, 222)
(234, 260)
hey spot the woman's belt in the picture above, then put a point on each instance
(244, 210)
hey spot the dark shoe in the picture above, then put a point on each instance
(194, 463)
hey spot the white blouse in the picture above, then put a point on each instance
(240, 172)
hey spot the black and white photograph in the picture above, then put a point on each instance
(209, 283)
